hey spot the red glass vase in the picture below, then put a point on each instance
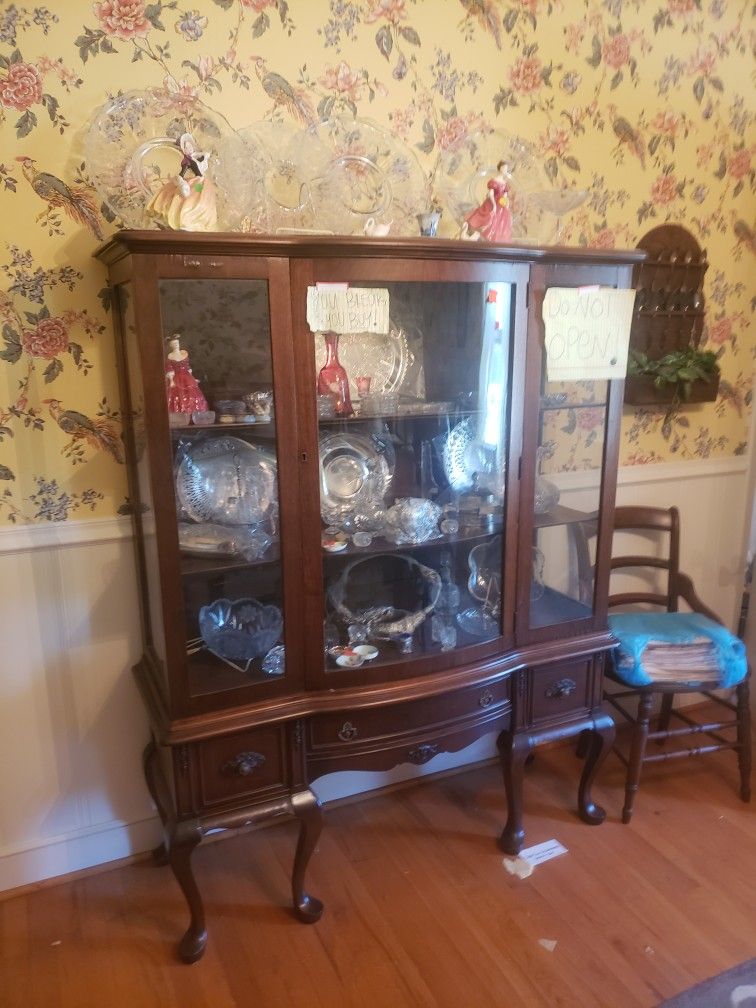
(333, 379)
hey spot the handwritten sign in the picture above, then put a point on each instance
(344, 309)
(587, 332)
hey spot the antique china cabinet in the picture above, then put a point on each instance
(368, 529)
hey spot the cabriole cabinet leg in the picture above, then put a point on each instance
(182, 844)
(600, 740)
(513, 751)
(150, 766)
(306, 808)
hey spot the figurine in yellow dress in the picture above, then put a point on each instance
(187, 202)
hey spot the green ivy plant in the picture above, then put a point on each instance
(679, 369)
(675, 372)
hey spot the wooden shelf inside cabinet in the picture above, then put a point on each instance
(266, 430)
(455, 414)
(381, 545)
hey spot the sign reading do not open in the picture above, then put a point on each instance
(587, 332)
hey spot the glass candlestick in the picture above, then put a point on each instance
(333, 379)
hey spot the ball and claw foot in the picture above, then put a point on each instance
(192, 946)
(309, 910)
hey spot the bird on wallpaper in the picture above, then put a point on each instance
(486, 14)
(626, 134)
(98, 434)
(294, 100)
(74, 200)
(745, 234)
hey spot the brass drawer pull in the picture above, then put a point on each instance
(422, 753)
(347, 732)
(486, 699)
(244, 764)
(560, 688)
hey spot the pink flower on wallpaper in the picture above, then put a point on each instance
(554, 141)
(401, 122)
(721, 331)
(702, 63)
(125, 19)
(178, 94)
(573, 36)
(21, 87)
(525, 75)
(343, 80)
(205, 67)
(740, 164)
(606, 238)
(452, 133)
(617, 51)
(666, 123)
(681, 6)
(258, 6)
(589, 419)
(664, 190)
(48, 338)
(392, 10)
(529, 5)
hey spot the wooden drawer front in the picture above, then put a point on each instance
(247, 763)
(382, 755)
(355, 728)
(559, 689)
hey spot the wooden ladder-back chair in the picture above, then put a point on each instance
(660, 523)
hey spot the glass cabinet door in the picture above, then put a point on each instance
(567, 496)
(413, 430)
(217, 386)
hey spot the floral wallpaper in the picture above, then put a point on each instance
(642, 102)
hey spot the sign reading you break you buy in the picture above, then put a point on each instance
(587, 332)
(342, 309)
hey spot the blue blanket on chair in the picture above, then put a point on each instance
(635, 631)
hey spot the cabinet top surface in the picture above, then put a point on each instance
(319, 246)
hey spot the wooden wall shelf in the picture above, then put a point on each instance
(641, 391)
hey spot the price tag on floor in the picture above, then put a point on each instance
(541, 852)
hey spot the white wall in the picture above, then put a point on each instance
(72, 727)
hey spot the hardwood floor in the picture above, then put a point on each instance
(419, 908)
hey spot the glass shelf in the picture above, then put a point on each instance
(381, 545)
(263, 429)
(427, 415)
(555, 607)
(198, 565)
(549, 407)
(561, 515)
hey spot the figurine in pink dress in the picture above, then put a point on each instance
(492, 220)
(184, 393)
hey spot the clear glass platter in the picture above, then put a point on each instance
(227, 480)
(130, 150)
(372, 174)
(384, 357)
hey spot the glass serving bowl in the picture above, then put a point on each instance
(131, 150)
(240, 630)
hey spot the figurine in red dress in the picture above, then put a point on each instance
(184, 393)
(492, 220)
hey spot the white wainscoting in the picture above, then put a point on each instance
(72, 727)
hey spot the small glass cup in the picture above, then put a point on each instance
(326, 406)
(363, 385)
(202, 418)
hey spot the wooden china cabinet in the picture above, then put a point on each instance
(402, 548)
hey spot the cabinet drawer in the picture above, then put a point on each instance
(247, 763)
(559, 689)
(418, 749)
(393, 721)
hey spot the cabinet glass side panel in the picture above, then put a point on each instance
(219, 388)
(141, 489)
(572, 426)
(413, 426)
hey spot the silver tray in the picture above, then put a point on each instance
(385, 357)
(227, 480)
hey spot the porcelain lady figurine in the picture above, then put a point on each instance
(187, 202)
(182, 388)
(492, 220)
